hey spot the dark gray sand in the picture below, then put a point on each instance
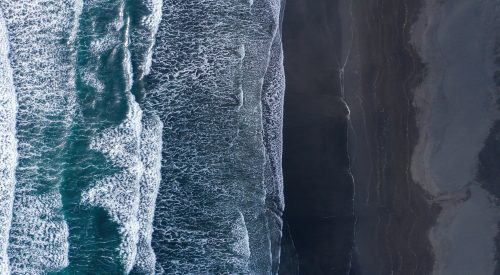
(393, 212)
(455, 157)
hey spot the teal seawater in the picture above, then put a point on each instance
(149, 136)
(101, 82)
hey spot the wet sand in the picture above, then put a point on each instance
(318, 186)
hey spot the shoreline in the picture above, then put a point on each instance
(393, 213)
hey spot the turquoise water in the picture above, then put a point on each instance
(101, 81)
(149, 137)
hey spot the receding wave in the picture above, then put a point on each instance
(273, 90)
(119, 193)
(146, 16)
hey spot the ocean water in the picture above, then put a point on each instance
(140, 136)
(43, 81)
(206, 84)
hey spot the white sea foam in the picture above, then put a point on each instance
(263, 86)
(129, 195)
(240, 233)
(151, 144)
(39, 236)
(273, 91)
(43, 74)
(119, 194)
(208, 71)
(8, 145)
(143, 36)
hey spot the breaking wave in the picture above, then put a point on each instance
(43, 64)
(8, 145)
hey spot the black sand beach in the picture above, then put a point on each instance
(393, 215)
(419, 134)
